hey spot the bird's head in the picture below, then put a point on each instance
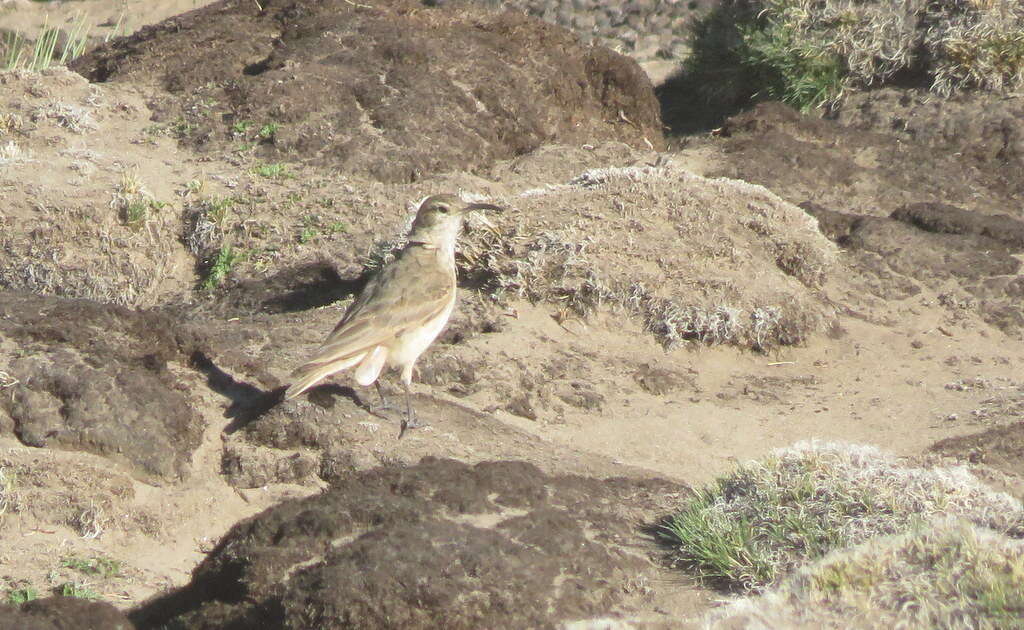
(439, 219)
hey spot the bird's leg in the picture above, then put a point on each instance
(409, 421)
(380, 392)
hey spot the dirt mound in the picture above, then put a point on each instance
(590, 246)
(984, 131)
(792, 154)
(931, 244)
(98, 378)
(943, 218)
(395, 91)
(603, 239)
(1001, 448)
(437, 544)
(57, 613)
(956, 230)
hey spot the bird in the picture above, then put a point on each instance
(401, 310)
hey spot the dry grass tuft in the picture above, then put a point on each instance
(742, 267)
(809, 53)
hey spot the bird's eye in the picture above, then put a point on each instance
(442, 209)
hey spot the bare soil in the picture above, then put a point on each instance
(637, 322)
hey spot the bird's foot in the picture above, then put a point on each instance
(379, 410)
(410, 423)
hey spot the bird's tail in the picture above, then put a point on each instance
(313, 372)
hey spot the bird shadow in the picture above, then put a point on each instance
(249, 403)
(326, 395)
(308, 287)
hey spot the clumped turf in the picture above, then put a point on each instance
(945, 576)
(562, 265)
(133, 202)
(751, 528)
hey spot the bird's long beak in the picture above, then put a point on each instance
(482, 218)
(484, 206)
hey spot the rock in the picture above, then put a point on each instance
(659, 381)
(522, 406)
(582, 396)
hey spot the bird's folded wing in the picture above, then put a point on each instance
(406, 294)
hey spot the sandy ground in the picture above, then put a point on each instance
(104, 17)
(892, 375)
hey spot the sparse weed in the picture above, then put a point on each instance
(206, 223)
(242, 126)
(10, 122)
(18, 596)
(269, 130)
(133, 201)
(101, 566)
(11, 153)
(6, 379)
(77, 38)
(13, 47)
(307, 234)
(120, 28)
(195, 187)
(156, 129)
(73, 117)
(130, 185)
(272, 170)
(182, 128)
(218, 209)
(89, 522)
(313, 226)
(262, 259)
(135, 213)
(44, 53)
(226, 260)
(9, 497)
(79, 590)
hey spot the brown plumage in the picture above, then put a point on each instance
(401, 310)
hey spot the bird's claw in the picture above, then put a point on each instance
(410, 423)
